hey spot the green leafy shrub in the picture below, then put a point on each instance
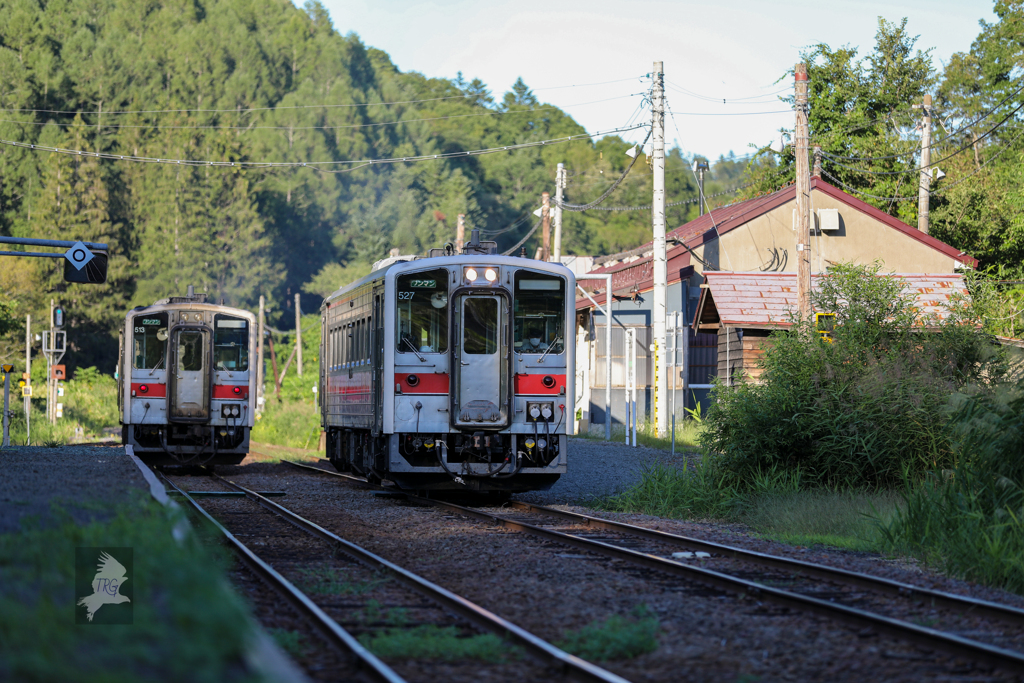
(866, 409)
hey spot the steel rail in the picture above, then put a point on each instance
(365, 660)
(921, 635)
(569, 664)
(993, 610)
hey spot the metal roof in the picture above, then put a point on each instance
(634, 266)
(768, 299)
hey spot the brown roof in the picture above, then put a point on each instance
(768, 299)
(637, 270)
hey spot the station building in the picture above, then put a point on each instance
(731, 280)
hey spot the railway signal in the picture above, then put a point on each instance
(58, 316)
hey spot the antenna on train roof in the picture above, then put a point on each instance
(475, 246)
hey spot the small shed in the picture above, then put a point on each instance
(745, 308)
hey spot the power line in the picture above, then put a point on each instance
(933, 163)
(946, 188)
(725, 100)
(587, 85)
(693, 200)
(590, 205)
(157, 126)
(523, 241)
(312, 164)
(235, 111)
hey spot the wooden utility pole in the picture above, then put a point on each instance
(924, 188)
(460, 233)
(659, 312)
(260, 398)
(298, 333)
(545, 226)
(559, 186)
(803, 197)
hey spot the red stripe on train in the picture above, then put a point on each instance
(221, 391)
(149, 390)
(422, 383)
(539, 384)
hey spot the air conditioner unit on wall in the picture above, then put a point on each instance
(828, 220)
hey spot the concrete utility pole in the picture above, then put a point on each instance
(545, 226)
(298, 334)
(817, 162)
(260, 399)
(660, 256)
(926, 171)
(559, 186)
(460, 232)
(803, 197)
(28, 377)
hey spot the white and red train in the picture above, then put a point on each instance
(452, 371)
(186, 381)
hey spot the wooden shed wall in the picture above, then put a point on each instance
(739, 351)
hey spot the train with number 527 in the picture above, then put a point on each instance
(185, 383)
(451, 371)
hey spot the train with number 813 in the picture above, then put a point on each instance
(451, 371)
(186, 386)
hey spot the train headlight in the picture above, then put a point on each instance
(490, 275)
(471, 274)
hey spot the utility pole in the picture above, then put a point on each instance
(260, 398)
(460, 233)
(298, 333)
(660, 257)
(559, 186)
(926, 160)
(545, 226)
(700, 166)
(28, 378)
(803, 197)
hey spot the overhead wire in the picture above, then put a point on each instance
(589, 205)
(158, 126)
(523, 241)
(312, 164)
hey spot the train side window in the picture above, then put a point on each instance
(422, 312)
(539, 313)
(230, 343)
(149, 341)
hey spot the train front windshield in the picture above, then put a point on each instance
(422, 310)
(230, 343)
(539, 313)
(149, 341)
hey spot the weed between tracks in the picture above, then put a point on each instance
(327, 580)
(617, 637)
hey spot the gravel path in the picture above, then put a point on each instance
(88, 480)
(600, 468)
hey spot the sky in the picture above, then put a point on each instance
(589, 57)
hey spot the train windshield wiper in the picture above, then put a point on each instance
(413, 347)
(551, 347)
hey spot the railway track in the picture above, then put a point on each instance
(870, 603)
(560, 664)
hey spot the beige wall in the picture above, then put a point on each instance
(860, 239)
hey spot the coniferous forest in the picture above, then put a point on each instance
(263, 80)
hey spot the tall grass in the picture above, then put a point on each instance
(968, 520)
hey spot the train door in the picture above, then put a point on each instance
(189, 395)
(480, 361)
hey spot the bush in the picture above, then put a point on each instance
(969, 520)
(868, 408)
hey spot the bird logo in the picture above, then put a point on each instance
(106, 585)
